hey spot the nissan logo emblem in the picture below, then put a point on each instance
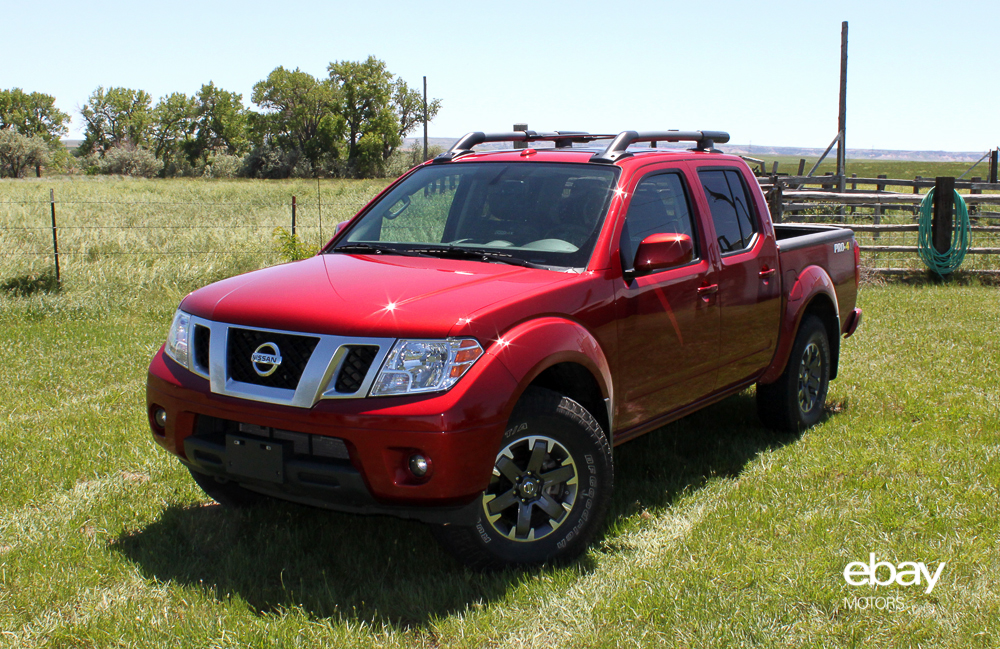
(266, 359)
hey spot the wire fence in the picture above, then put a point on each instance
(144, 240)
(155, 238)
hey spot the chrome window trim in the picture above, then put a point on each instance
(315, 384)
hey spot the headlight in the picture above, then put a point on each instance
(414, 366)
(177, 339)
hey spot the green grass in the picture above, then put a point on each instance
(721, 533)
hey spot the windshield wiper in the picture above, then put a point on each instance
(479, 254)
(378, 249)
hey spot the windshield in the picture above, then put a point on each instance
(538, 214)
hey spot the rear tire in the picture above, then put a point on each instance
(550, 489)
(795, 401)
(227, 493)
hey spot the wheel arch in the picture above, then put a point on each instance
(562, 356)
(812, 293)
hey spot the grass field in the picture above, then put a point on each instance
(721, 533)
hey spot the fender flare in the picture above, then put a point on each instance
(533, 346)
(812, 282)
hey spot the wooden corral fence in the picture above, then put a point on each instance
(886, 221)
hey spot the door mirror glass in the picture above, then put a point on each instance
(659, 251)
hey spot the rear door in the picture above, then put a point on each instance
(668, 321)
(749, 289)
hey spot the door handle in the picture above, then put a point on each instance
(705, 291)
(767, 272)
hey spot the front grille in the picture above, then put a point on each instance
(355, 368)
(202, 343)
(294, 351)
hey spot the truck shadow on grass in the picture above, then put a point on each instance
(383, 570)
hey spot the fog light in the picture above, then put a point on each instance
(160, 417)
(418, 465)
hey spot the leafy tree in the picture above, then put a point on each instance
(221, 124)
(365, 104)
(32, 114)
(378, 110)
(408, 104)
(301, 114)
(118, 116)
(19, 152)
(173, 128)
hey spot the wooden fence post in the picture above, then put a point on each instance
(993, 165)
(941, 225)
(854, 186)
(976, 179)
(877, 216)
(293, 216)
(775, 204)
(520, 127)
(55, 236)
(916, 190)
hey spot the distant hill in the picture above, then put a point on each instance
(757, 151)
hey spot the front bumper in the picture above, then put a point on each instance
(459, 431)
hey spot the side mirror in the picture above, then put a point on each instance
(340, 226)
(659, 251)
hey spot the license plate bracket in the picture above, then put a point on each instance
(255, 458)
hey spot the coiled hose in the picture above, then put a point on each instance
(943, 263)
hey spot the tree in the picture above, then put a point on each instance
(173, 128)
(32, 114)
(119, 116)
(409, 106)
(379, 110)
(365, 104)
(301, 114)
(221, 123)
(19, 152)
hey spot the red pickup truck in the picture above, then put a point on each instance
(467, 350)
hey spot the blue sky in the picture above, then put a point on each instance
(921, 75)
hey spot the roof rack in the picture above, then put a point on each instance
(561, 138)
(617, 149)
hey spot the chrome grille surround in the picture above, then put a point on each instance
(318, 377)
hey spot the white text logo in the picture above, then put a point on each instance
(883, 573)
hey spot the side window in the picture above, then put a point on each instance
(659, 205)
(731, 212)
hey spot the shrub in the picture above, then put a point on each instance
(18, 153)
(290, 247)
(223, 166)
(130, 160)
(269, 161)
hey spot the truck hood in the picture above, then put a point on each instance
(366, 295)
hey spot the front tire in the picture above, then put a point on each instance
(795, 401)
(550, 490)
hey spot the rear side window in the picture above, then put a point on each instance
(735, 225)
(659, 205)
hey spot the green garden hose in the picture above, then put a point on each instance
(943, 263)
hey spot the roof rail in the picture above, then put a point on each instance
(617, 149)
(561, 139)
